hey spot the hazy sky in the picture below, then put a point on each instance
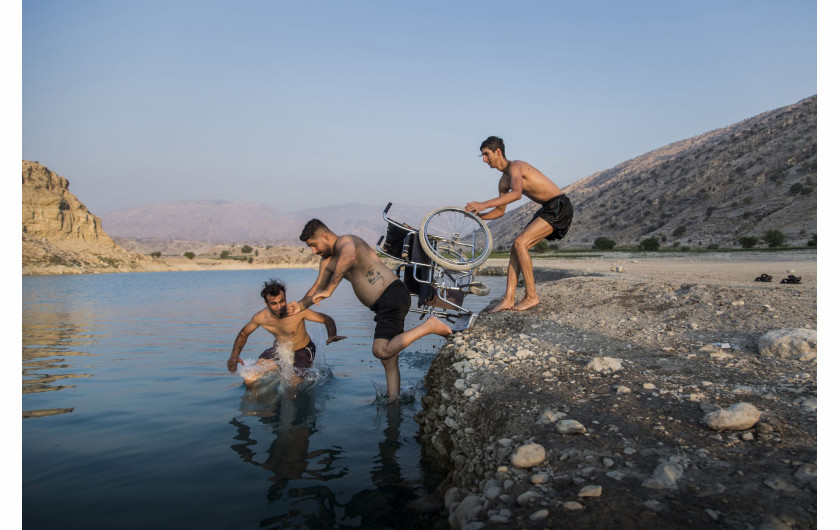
(304, 104)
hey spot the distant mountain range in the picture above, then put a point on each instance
(226, 222)
(741, 180)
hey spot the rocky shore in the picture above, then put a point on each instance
(638, 394)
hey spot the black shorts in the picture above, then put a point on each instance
(558, 213)
(390, 310)
(304, 357)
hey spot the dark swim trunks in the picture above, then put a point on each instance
(303, 357)
(558, 213)
(390, 310)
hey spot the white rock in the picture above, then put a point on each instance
(796, 343)
(550, 416)
(738, 417)
(570, 427)
(572, 505)
(665, 477)
(604, 364)
(539, 515)
(622, 390)
(590, 491)
(528, 456)
(528, 498)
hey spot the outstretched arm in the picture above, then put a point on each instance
(510, 190)
(320, 283)
(345, 256)
(239, 343)
(328, 322)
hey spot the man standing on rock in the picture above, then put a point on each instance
(551, 221)
(376, 286)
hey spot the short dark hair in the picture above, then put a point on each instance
(309, 229)
(492, 143)
(272, 287)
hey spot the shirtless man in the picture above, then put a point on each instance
(550, 222)
(349, 257)
(286, 328)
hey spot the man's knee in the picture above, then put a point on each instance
(380, 350)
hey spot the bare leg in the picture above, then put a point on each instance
(533, 234)
(510, 289)
(261, 367)
(388, 351)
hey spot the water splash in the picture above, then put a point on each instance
(407, 394)
(279, 373)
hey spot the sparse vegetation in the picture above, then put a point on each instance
(651, 243)
(774, 238)
(603, 243)
(246, 249)
(748, 241)
(679, 231)
(813, 241)
(189, 255)
(155, 254)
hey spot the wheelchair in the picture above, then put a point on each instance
(437, 262)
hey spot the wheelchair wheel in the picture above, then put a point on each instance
(455, 239)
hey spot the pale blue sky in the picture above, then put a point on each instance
(304, 104)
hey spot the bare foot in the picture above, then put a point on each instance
(501, 306)
(526, 303)
(437, 327)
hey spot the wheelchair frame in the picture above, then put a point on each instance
(439, 290)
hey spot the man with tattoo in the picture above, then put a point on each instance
(551, 221)
(376, 286)
(289, 334)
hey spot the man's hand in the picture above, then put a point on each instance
(335, 338)
(232, 362)
(474, 207)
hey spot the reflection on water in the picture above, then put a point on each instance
(47, 338)
(130, 406)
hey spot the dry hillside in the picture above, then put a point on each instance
(742, 180)
(60, 235)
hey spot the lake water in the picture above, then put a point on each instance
(131, 419)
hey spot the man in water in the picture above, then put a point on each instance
(288, 330)
(550, 222)
(376, 286)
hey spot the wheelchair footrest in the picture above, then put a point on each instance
(463, 323)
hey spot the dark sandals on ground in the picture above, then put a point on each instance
(791, 279)
(764, 278)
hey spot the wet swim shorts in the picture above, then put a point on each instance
(558, 213)
(304, 357)
(390, 310)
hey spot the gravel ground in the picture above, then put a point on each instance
(607, 404)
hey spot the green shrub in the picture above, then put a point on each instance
(155, 254)
(603, 243)
(813, 241)
(246, 249)
(679, 231)
(774, 238)
(189, 255)
(651, 243)
(748, 241)
(225, 254)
